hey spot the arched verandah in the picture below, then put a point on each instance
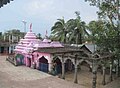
(43, 64)
(69, 66)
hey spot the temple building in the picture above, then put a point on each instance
(26, 52)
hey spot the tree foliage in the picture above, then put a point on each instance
(71, 31)
(108, 10)
(59, 30)
(109, 13)
(77, 29)
(14, 32)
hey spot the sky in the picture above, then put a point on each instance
(42, 14)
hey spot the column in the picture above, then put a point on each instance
(9, 49)
(111, 72)
(94, 71)
(12, 38)
(103, 82)
(9, 38)
(50, 66)
(32, 62)
(75, 74)
(50, 63)
(63, 68)
(4, 37)
(76, 68)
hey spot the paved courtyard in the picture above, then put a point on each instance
(24, 77)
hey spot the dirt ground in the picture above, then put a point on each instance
(85, 79)
(23, 77)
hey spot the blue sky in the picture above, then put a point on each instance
(42, 13)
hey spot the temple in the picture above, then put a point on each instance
(25, 52)
(56, 58)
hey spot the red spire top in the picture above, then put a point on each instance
(46, 34)
(31, 27)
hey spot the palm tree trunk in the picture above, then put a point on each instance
(80, 38)
(65, 36)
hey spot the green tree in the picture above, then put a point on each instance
(109, 10)
(59, 30)
(77, 29)
(102, 34)
(15, 33)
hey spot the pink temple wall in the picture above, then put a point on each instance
(35, 58)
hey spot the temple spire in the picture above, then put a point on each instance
(46, 34)
(31, 27)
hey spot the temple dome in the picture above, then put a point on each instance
(30, 35)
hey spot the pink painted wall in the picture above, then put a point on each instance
(38, 55)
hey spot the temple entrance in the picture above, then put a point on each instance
(69, 66)
(20, 59)
(43, 64)
(58, 66)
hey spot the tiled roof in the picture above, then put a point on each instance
(58, 50)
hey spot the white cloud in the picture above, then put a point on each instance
(37, 7)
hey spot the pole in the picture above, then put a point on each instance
(24, 22)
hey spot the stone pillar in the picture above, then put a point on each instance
(76, 68)
(12, 38)
(94, 71)
(63, 68)
(9, 49)
(103, 82)
(50, 67)
(111, 79)
(32, 63)
(4, 37)
(9, 38)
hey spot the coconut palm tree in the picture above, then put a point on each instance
(77, 29)
(59, 30)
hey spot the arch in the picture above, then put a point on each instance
(69, 66)
(57, 65)
(86, 63)
(19, 59)
(43, 64)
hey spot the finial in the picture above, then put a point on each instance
(31, 27)
(46, 34)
